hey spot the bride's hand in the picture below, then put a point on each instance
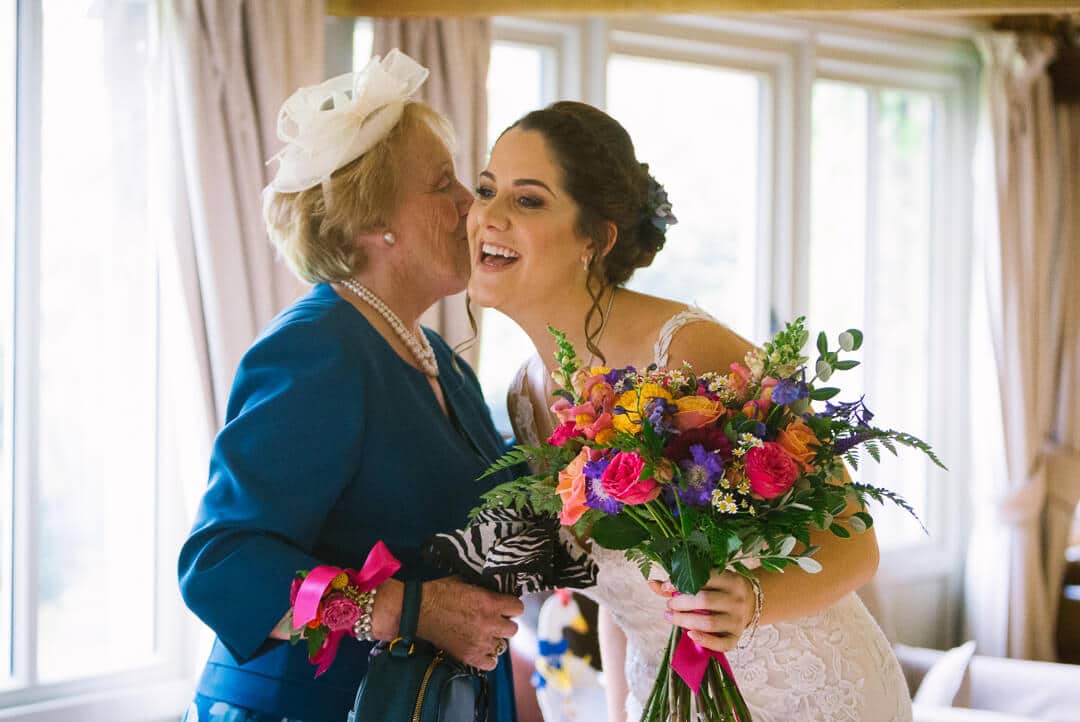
(716, 616)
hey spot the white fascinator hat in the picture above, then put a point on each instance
(329, 125)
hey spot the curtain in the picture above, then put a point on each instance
(227, 65)
(457, 52)
(1019, 202)
(1063, 462)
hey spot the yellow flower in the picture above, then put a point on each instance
(634, 402)
(340, 581)
(605, 437)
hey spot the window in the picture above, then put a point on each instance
(518, 81)
(79, 353)
(870, 264)
(710, 168)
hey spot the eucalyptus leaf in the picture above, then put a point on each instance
(809, 565)
(787, 546)
(824, 394)
(867, 520)
(839, 531)
(823, 369)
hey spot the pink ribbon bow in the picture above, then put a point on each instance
(379, 566)
(690, 660)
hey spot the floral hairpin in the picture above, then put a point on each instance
(658, 207)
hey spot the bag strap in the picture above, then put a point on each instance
(411, 596)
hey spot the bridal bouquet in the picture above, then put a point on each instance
(694, 472)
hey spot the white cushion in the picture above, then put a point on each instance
(947, 684)
(924, 713)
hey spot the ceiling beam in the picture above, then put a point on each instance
(437, 8)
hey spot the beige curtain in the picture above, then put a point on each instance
(1063, 462)
(1010, 605)
(227, 67)
(457, 51)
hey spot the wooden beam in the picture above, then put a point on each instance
(436, 8)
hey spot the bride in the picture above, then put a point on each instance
(564, 214)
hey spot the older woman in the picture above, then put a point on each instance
(347, 424)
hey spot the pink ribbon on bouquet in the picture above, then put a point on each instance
(379, 566)
(690, 660)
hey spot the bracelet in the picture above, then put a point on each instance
(759, 606)
(362, 630)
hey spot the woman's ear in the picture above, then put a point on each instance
(612, 236)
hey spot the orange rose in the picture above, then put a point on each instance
(799, 441)
(571, 488)
(695, 412)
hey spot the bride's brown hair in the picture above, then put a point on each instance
(603, 176)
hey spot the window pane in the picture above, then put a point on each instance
(870, 266)
(515, 86)
(363, 39)
(704, 148)
(96, 385)
(900, 306)
(7, 289)
(838, 200)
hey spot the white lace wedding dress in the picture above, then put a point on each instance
(833, 666)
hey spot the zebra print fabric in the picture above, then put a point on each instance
(513, 552)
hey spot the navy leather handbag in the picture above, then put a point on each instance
(409, 680)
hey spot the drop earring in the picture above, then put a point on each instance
(585, 263)
(389, 238)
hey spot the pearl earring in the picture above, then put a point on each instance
(389, 238)
(585, 263)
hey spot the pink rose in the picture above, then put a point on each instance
(770, 470)
(563, 433)
(294, 589)
(339, 612)
(622, 480)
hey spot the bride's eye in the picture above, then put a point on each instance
(530, 202)
(485, 193)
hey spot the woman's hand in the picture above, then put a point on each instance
(468, 622)
(717, 615)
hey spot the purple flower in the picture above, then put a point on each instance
(597, 498)
(700, 475)
(614, 376)
(847, 443)
(595, 495)
(788, 391)
(658, 411)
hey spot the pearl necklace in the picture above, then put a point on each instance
(417, 343)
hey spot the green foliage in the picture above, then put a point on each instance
(618, 531)
(566, 359)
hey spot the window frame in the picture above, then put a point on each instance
(162, 687)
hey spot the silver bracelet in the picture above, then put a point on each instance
(362, 628)
(759, 606)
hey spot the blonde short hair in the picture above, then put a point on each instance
(317, 235)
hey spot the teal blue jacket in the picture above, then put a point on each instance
(331, 443)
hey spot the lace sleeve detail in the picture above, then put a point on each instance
(520, 407)
(669, 329)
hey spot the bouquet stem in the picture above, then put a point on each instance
(672, 700)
